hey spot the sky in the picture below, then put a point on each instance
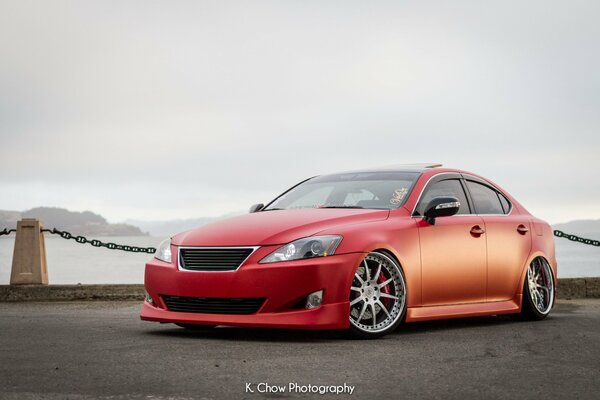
(159, 110)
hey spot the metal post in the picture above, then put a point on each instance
(29, 258)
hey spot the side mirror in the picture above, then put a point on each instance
(256, 207)
(441, 207)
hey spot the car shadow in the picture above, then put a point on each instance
(300, 336)
(241, 334)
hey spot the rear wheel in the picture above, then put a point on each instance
(538, 290)
(377, 297)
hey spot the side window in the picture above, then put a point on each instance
(448, 187)
(505, 203)
(485, 198)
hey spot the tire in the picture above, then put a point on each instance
(538, 291)
(196, 327)
(377, 297)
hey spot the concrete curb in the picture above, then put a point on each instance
(567, 288)
(70, 292)
(578, 288)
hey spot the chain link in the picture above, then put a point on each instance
(7, 231)
(98, 243)
(575, 238)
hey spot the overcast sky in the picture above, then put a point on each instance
(176, 109)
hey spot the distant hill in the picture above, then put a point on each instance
(169, 228)
(579, 227)
(8, 219)
(77, 223)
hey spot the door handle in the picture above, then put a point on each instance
(477, 230)
(522, 229)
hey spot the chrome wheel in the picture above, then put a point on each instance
(540, 283)
(377, 295)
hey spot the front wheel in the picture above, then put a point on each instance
(538, 290)
(377, 297)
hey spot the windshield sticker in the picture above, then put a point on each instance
(398, 196)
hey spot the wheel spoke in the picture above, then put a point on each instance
(384, 284)
(367, 270)
(362, 312)
(356, 300)
(388, 296)
(383, 308)
(356, 289)
(377, 273)
(374, 315)
(538, 300)
(357, 276)
(541, 301)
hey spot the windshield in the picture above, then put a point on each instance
(378, 190)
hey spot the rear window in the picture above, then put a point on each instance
(485, 198)
(505, 203)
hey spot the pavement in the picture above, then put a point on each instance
(101, 350)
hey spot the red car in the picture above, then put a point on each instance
(360, 251)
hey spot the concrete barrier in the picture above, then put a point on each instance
(9, 293)
(567, 288)
(29, 265)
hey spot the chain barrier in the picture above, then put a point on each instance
(575, 238)
(98, 243)
(7, 231)
(152, 250)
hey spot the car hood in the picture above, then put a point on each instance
(274, 227)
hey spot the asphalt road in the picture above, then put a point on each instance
(86, 350)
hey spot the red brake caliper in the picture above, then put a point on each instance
(386, 289)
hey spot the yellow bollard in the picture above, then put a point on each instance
(29, 257)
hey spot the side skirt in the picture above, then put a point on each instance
(463, 310)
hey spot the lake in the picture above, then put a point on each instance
(70, 262)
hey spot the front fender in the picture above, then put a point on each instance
(399, 237)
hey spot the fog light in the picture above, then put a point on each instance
(314, 299)
(148, 298)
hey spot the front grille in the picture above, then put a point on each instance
(213, 259)
(212, 305)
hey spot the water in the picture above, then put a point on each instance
(576, 260)
(71, 263)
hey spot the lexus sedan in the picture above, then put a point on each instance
(362, 252)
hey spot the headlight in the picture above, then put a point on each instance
(163, 251)
(310, 247)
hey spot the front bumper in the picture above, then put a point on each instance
(284, 285)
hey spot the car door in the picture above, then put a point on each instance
(508, 239)
(453, 250)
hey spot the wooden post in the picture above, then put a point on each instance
(29, 257)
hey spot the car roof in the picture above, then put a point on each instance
(418, 167)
